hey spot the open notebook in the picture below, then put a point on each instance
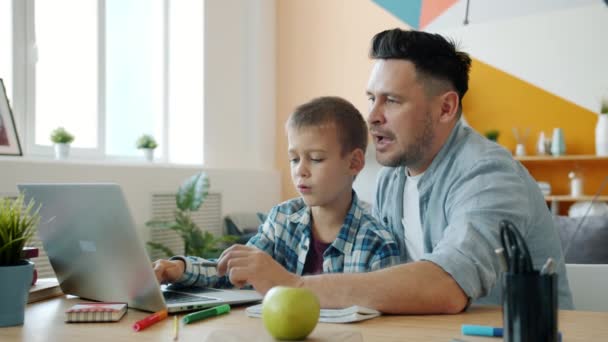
(350, 314)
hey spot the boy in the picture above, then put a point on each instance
(326, 230)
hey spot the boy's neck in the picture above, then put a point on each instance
(328, 220)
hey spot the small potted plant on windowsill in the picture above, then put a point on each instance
(147, 143)
(61, 139)
(17, 225)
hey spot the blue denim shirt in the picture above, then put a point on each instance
(471, 185)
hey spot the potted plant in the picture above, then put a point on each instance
(492, 135)
(17, 225)
(62, 139)
(601, 130)
(190, 196)
(147, 143)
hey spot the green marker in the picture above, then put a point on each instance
(215, 311)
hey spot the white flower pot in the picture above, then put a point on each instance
(149, 154)
(62, 151)
(601, 135)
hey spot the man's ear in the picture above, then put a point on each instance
(449, 103)
(357, 161)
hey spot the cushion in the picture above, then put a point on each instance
(587, 244)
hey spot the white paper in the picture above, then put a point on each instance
(350, 314)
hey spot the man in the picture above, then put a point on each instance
(443, 193)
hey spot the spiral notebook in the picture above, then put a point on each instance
(95, 312)
(350, 314)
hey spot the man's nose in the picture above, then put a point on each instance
(376, 115)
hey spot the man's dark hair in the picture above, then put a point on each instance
(433, 56)
(350, 125)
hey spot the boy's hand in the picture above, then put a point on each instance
(249, 265)
(168, 271)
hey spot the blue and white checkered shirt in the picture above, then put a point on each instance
(362, 244)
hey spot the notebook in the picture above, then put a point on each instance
(89, 236)
(95, 312)
(350, 314)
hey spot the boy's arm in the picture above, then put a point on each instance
(195, 274)
(385, 251)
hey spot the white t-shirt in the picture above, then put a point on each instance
(411, 217)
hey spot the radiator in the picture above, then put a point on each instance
(207, 218)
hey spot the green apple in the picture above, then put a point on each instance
(290, 313)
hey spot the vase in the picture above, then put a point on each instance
(149, 154)
(14, 289)
(558, 145)
(601, 135)
(62, 151)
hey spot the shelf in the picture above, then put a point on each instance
(568, 198)
(573, 157)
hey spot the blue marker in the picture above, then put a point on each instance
(481, 330)
(485, 330)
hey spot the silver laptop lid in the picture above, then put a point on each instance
(89, 236)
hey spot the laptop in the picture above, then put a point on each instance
(89, 236)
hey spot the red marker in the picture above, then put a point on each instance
(148, 321)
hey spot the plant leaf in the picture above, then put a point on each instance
(161, 224)
(159, 246)
(193, 192)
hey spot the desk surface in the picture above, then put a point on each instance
(44, 322)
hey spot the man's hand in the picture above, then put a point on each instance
(168, 271)
(249, 265)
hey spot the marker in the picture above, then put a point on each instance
(481, 330)
(485, 330)
(148, 321)
(215, 311)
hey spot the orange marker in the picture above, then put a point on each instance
(148, 321)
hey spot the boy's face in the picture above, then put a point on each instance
(318, 170)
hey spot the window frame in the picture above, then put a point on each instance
(24, 85)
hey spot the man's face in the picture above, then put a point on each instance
(320, 173)
(401, 115)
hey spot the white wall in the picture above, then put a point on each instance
(561, 51)
(240, 82)
(242, 190)
(239, 123)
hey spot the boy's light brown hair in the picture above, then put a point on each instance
(350, 125)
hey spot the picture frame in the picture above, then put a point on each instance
(9, 139)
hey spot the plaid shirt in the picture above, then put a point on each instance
(362, 244)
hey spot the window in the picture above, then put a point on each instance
(6, 41)
(111, 70)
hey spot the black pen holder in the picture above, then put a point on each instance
(529, 307)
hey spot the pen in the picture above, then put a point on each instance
(215, 311)
(148, 321)
(547, 267)
(485, 330)
(175, 328)
(500, 252)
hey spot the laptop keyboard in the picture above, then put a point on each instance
(176, 297)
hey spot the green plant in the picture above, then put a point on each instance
(492, 134)
(190, 196)
(17, 225)
(146, 141)
(61, 136)
(604, 106)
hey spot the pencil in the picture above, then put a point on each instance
(175, 328)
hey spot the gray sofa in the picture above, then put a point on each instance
(589, 245)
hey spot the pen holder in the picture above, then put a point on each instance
(530, 307)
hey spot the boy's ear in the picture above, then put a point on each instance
(357, 161)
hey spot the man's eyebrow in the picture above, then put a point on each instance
(385, 94)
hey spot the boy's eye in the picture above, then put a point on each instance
(294, 160)
(391, 100)
(316, 160)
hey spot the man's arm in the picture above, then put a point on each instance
(419, 287)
